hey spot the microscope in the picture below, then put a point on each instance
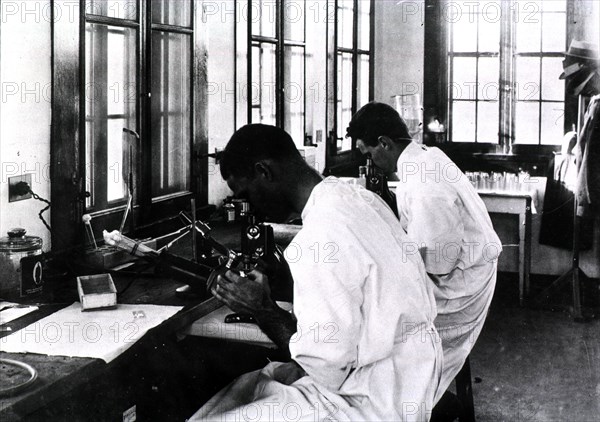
(258, 250)
(377, 183)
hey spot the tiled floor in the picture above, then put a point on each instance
(534, 365)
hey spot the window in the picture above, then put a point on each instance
(353, 58)
(498, 70)
(277, 64)
(352, 40)
(138, 75)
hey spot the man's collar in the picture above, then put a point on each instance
(312, 199)
(411, 151)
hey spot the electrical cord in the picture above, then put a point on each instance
(39, 198)
(23, 188)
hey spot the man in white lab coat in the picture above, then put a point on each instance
(442, 213)
(361, 336)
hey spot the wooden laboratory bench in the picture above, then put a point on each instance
(160, 377)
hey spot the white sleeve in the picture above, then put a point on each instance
(435, 223)
(328, 274)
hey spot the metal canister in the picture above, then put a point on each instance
(20, 265)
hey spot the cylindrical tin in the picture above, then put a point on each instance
(20, 270)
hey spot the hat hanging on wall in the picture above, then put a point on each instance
(579, 54)
(583, 50)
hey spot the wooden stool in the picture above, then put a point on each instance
(460, 405)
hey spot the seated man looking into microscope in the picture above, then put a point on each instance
(442, 213)
(361, 336)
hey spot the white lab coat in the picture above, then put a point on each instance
(441, 211)
(365, 335)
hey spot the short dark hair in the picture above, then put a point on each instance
(377, 119)
(253, 143)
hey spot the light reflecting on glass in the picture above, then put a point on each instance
(553, 120)
(528, 78)
(293, 94)
(294, 15)
(488, 79)
(171, 112)
(527, 123)
(553, 88)
(263, 83)
(345, 23)
(110, 105)
(554, 6)
(529, 34)
(120, 9)
(116, 159)
(464, 34)
(344, 98)
(489, 35)
(363, 81)
(463, 123)
(488, 116)
(464, 78)
(364, 24)
(554, 28)
(172, 12)
(263, 17)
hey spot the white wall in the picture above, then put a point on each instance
(25, 80)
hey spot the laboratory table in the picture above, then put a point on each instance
(152, 380)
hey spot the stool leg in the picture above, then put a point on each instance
(464, 391)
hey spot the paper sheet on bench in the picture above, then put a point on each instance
(213, 326)
(102, 334)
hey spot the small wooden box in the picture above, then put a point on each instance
(96, 291)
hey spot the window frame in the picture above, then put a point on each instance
(68, 147)
(345, 162)
(436, 98)
(280, 44)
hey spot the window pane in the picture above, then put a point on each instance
(529, 32)
(363, 81)
(465, 78)
(121, 9)
(527, 124)
(553, 117)
(293, 94)
(464, 33)
(552, 87)
(263, 82)
(294, 15)
(554, 32)
(345, 23)
(344, 99)
(554, 6)
(116, 159)
(171, 12)
(463, 121)
(263, 15)
(528, 78)
(171, 112)
(110, 92)
(364, 24)
(489, 35)
(489, 74)
(89, 162)
(487, 122)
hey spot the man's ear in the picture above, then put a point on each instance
(263, 169)
(385, 142)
